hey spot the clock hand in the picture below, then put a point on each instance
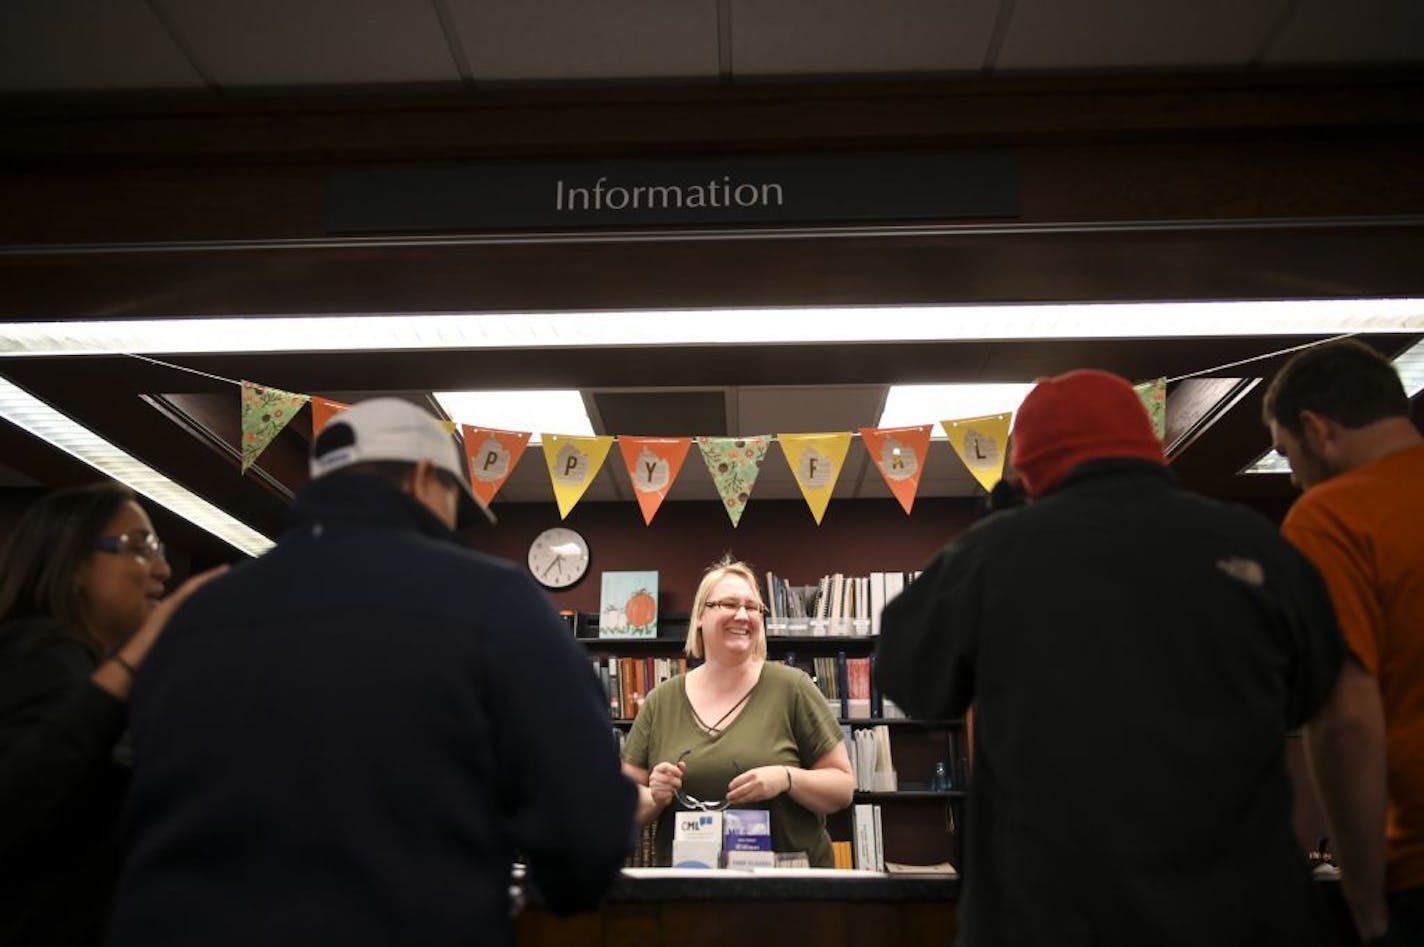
(556, 561)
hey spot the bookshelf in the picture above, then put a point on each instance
(918, 823)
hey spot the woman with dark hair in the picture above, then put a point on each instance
(81, 585)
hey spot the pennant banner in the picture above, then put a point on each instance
(900, 453)
(265, 411)
(980, 443)
(322, 410)
(491, 455)
(653, 464)
(816, 461)
(734, 463)
(1154, 399)
(573, 463)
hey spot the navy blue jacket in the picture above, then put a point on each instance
(1135, 655)
(347, 740)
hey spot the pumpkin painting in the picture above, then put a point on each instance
(641, 609)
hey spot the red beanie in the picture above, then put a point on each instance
(1078, 416)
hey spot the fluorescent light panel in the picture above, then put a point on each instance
(1409, 364)
(913, 405)
(720, 327)
(22, 409)
(540, 411)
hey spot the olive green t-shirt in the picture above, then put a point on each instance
(785, 722)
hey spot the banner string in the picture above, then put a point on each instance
(1176, 378)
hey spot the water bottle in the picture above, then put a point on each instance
(940, 781)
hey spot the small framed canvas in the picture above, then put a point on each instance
(629, 606)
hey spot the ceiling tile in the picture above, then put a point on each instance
(82, 46)
(514, 40)
(840, 37)
(277, 43)
(1134, 34)
(1328, 31)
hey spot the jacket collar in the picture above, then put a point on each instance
(361, 501)
(1114, 468)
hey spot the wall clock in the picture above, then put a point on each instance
(558, 557)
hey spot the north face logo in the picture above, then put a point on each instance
(1243, 570)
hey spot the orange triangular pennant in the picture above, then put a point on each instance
(265, 411)
(653, 464)
(322, 410)
(900, 453)
(491, 455)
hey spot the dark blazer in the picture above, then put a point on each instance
(1135, 655)
(348, 739)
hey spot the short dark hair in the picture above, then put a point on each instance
(52, 539)
(1346, 381)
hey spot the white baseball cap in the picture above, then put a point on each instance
(392, 429)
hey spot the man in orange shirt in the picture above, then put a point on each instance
(1340, 415)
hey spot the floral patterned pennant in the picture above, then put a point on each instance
(734, 463)
(265, 411)
(1154, 399)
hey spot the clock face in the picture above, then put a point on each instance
(558, 557)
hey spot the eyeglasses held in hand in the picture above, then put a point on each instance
(731, 606)
(139, 543)
(703, 805)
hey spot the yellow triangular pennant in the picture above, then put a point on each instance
(980, 443)
(1154, 399)
(816, 461)
(265, 411)
(573, 462)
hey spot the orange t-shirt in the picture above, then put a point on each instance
(1364, 531)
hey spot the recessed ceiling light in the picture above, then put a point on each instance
(718, 327)
(912, 405)
(24, 410)
(540, 411)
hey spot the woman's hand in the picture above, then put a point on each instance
(664, 781)
(764, 782)
(115, 676)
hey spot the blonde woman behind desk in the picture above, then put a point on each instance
(738, 731)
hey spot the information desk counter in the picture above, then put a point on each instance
(669, 907)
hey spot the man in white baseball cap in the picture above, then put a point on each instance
(396, 439)
(348, 739)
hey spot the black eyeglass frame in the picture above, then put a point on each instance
(692, 803)
(722, 603)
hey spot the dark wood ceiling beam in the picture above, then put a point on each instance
(240, 130)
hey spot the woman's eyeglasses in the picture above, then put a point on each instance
(139, 543)
(701, 805)
(731, 606)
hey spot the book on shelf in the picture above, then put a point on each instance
(838, 605)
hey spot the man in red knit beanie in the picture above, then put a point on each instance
(1079, 416)
(1135, 655)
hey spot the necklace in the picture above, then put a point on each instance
(716, 727)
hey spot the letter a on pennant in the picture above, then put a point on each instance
(573, 462)
(734, 463)
(980, 443)
(491, 455)
(899, 453)
(816, 461)
(653, 464)
(265, 411)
